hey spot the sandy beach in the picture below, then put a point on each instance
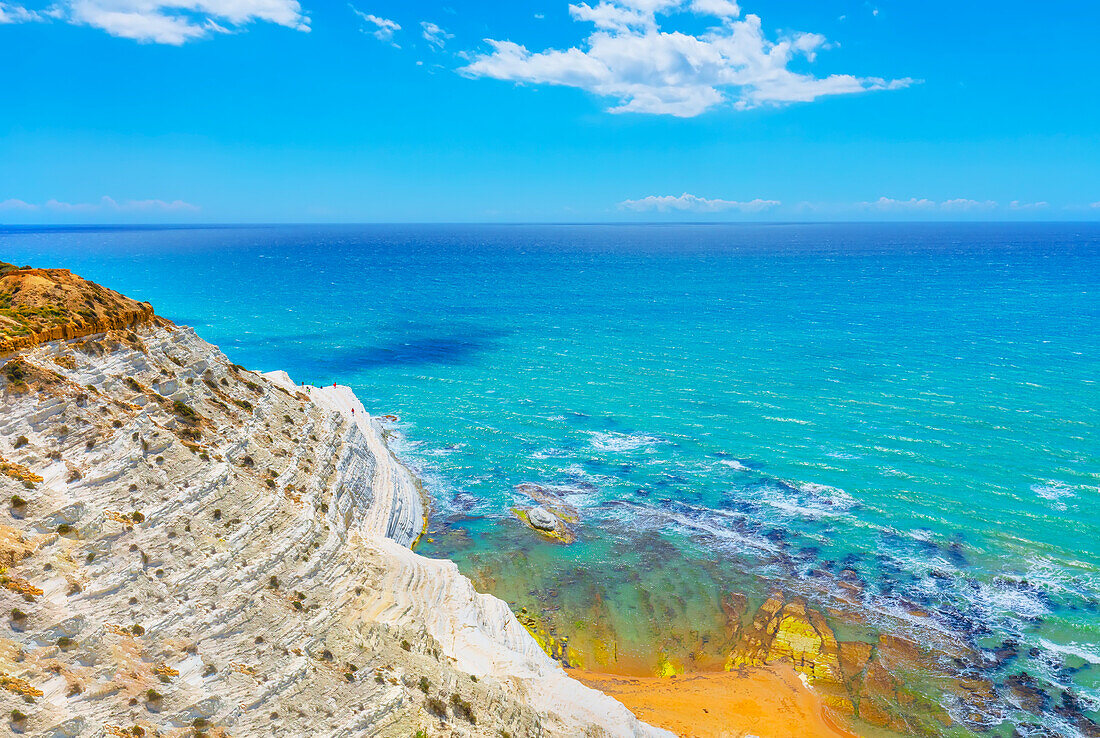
(764, 702)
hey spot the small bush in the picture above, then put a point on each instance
(64, 642)
(15, 372)
(153, 696)
(18, 615)
(64, 529)
(137, 630)
(425, 685)
(185, 411)
(437, 707)
(462, 707)
(17, 717)
(17, 501)
(20, 442)
(273, 582)
(406, 645)
(137, 517)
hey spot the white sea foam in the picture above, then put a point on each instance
(734, 464)
(807, 500)
(1054, 490)
(550, 453)
(1089, 653)
(612, 442)
(1009, 601)
(695, 521)
(788, 420)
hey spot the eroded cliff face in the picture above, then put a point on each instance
(192, 548)
(39, 305)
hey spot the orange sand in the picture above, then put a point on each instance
(765, 702)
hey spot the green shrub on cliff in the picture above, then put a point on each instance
(463, 708)
(185, 411)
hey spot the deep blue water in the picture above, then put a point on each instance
(731, 408)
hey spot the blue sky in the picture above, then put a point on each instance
(610, 110)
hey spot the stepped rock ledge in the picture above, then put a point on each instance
(191, 548)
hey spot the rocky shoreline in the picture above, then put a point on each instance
(191, 548)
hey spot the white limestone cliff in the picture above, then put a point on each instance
(193, 548)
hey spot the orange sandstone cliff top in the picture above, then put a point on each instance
(38, 305)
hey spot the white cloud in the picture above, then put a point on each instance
(968, 205)
(10, 13)
(691, 203)
(177, 21)
(629, 58)
(1018, 205)
(103, 205)
(961, 204)
(889, 203)
(435, 35)
(383, 28)
(1094, 205)
(718, 8)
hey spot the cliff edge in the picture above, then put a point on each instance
(191, 548)
(39, 305)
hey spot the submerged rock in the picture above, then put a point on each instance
(541, 518)
(552, 517)
(545, 523)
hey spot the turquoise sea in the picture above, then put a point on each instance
(911, 409)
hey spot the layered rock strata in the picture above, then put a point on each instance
(193, 548)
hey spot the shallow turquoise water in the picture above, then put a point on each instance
(731, 408)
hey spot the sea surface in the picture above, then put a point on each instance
(731, 409)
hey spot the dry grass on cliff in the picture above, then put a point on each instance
(46, 304)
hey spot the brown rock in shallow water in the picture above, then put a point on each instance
(545, 523)
(854, 656)
(789, 632)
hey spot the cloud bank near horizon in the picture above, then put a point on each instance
(104, 205)
(694, 204)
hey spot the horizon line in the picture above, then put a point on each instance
(258, 224)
